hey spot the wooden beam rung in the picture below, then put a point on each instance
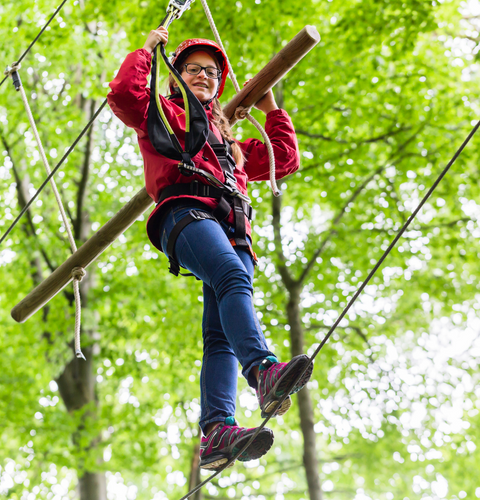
(274, 71)
(84, 256)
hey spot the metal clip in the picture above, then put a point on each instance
(178, 7)
(13, 72)
(230, 180)
(197, 215)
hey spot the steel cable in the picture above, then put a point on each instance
(53, 172)
(346, 309)
(36, 38)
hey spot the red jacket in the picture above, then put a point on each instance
(129, 100)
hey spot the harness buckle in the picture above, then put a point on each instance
(198, 215)
(187, 169)
(230, 180)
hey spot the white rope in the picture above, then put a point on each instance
(249, 117)
(77, 273)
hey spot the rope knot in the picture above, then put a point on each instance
(241, 113)
(78, 273)
(12, 69)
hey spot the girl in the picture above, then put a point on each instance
(210, 241)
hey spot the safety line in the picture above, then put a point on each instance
(47, 180)
(36, 38)
(345, 310)
(248, 116)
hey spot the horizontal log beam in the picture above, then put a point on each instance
(273, 72)
(84, 256)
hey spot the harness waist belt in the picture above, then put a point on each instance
(196, 188)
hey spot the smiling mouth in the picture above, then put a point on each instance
(201, 85)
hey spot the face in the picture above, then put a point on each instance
(203, 87)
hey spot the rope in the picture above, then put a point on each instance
(346, 309)
(77, 273)
(36, 38)
(243, 111)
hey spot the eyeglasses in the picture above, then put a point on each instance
(210, 71)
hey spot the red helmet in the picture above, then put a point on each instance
(196, 44)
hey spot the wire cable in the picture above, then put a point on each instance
(346, 309)
(53, 172)
(36, 38)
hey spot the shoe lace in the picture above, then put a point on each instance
(273, 371)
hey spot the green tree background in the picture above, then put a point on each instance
(380, 106)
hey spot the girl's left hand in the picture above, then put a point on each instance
(155, 37)
(266, 103)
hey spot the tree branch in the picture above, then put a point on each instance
(378, 138)
(420, 227)
(277, 238)
(352, 198)
(78, 226)
(22, 201)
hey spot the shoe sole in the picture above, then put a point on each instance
(217, 464)
(284, 384)
(260, 446)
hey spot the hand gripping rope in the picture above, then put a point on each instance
(77, 273)
(345, 310)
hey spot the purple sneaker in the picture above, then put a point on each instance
(276, 379)
(226, 440)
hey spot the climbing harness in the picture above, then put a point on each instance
(228, 198)
(196, 133)
(77, 273)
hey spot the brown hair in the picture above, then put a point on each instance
(221, 122)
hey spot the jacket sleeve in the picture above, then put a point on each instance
(130, 97)
(280, 130)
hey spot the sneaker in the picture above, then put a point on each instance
(227, 439)
(277, 378)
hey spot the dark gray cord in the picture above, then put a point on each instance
(52, 173)
(36, 38)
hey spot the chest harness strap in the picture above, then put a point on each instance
(228, 197)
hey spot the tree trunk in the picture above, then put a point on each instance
(195, 473)
(305, 407)
(77, 382)
(92, 486)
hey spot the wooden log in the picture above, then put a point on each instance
(84, 256)
(273, 72)
(281, 63)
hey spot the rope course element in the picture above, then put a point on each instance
(77, 273)
(346, 309)
(242, 113)
(59, 8)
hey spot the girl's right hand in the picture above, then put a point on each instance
(155, 37)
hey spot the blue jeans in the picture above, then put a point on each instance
(230, 328)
